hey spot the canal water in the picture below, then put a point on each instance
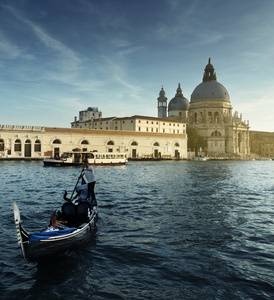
(166, 230)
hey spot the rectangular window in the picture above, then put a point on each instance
(37, 147)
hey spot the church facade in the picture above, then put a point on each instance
(210, 112)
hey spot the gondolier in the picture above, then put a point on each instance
(89, 177)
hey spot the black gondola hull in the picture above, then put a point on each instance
(56, 245)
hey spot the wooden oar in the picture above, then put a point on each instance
(76, 184)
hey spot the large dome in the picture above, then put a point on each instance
(210, 89)
(179, 102)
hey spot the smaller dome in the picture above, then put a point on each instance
(162, 92)
(179, 102)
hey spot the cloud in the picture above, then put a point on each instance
(12, 51)
(44, 37)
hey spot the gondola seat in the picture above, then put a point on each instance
(82, 212)
(69, 213)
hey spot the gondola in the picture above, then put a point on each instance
(73, 226)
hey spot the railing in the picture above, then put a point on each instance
(21, 127)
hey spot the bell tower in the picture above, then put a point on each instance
(162, 104)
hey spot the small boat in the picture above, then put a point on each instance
(200, 158)
(67, 231)
(71, 158)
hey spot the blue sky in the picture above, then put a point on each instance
(58, 57)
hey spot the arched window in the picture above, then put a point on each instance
(216, 133)
(176, 145)
(216, 116)
(27, 142)
(57, 141)
(156, 144)
(134, 144)
(84, 142)
(209, 116)
(110, 143)
(17, 145)
(239, 139)
(37, 146)
(2, 145)
(195, 118)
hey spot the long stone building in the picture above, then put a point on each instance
(39, 142)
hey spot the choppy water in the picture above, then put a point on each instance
(166, 230)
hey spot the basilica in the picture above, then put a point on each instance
(210, 112)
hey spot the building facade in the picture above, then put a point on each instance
(134, 123)
(262, 144)
(21, 142)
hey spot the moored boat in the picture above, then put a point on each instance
(200, 158)
(68, 230)
(71, 158)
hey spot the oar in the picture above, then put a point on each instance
(76, 184)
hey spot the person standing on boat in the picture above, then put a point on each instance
(89, 176)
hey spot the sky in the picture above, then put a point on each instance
(59, 57)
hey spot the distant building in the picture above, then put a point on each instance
(89, 114)
(134, 123)
(262, 144)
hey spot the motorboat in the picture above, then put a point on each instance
(71, 158)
